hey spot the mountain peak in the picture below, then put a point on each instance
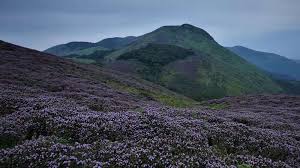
(185, 29)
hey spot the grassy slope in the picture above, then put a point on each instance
(220, 71)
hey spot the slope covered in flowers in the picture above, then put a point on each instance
(51, 118)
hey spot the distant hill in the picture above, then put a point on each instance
(86, 48)
(69, 48)
(269, 62)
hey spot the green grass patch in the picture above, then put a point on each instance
(170, 100)
(216, 106)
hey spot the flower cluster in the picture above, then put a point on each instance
(53, 131)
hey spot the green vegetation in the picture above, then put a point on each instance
(157, 54)
(154, 57)
(173, 101)
(161, 96)
(184, 59)
(219, 72)
(216, 106)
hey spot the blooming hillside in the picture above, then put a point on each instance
(56, 113)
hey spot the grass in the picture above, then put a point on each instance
(166, 99)
(216, 106)
(174, 101)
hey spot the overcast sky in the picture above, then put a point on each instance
(267, 25)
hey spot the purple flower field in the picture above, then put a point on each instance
(55, 113)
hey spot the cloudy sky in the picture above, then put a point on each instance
(267, 25)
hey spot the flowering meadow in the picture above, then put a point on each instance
(54, 116)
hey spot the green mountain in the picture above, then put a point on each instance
(185, 59)
(203, 69)
(86, 48)
(269, 62)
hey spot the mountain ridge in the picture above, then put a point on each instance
(77, 47)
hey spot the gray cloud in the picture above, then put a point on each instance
(259, 24)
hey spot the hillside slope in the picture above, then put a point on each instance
(57, 113)
(212, 71)
(32, 70)
(269, 62)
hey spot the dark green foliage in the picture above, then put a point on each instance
(154, 57)
(157, 54)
